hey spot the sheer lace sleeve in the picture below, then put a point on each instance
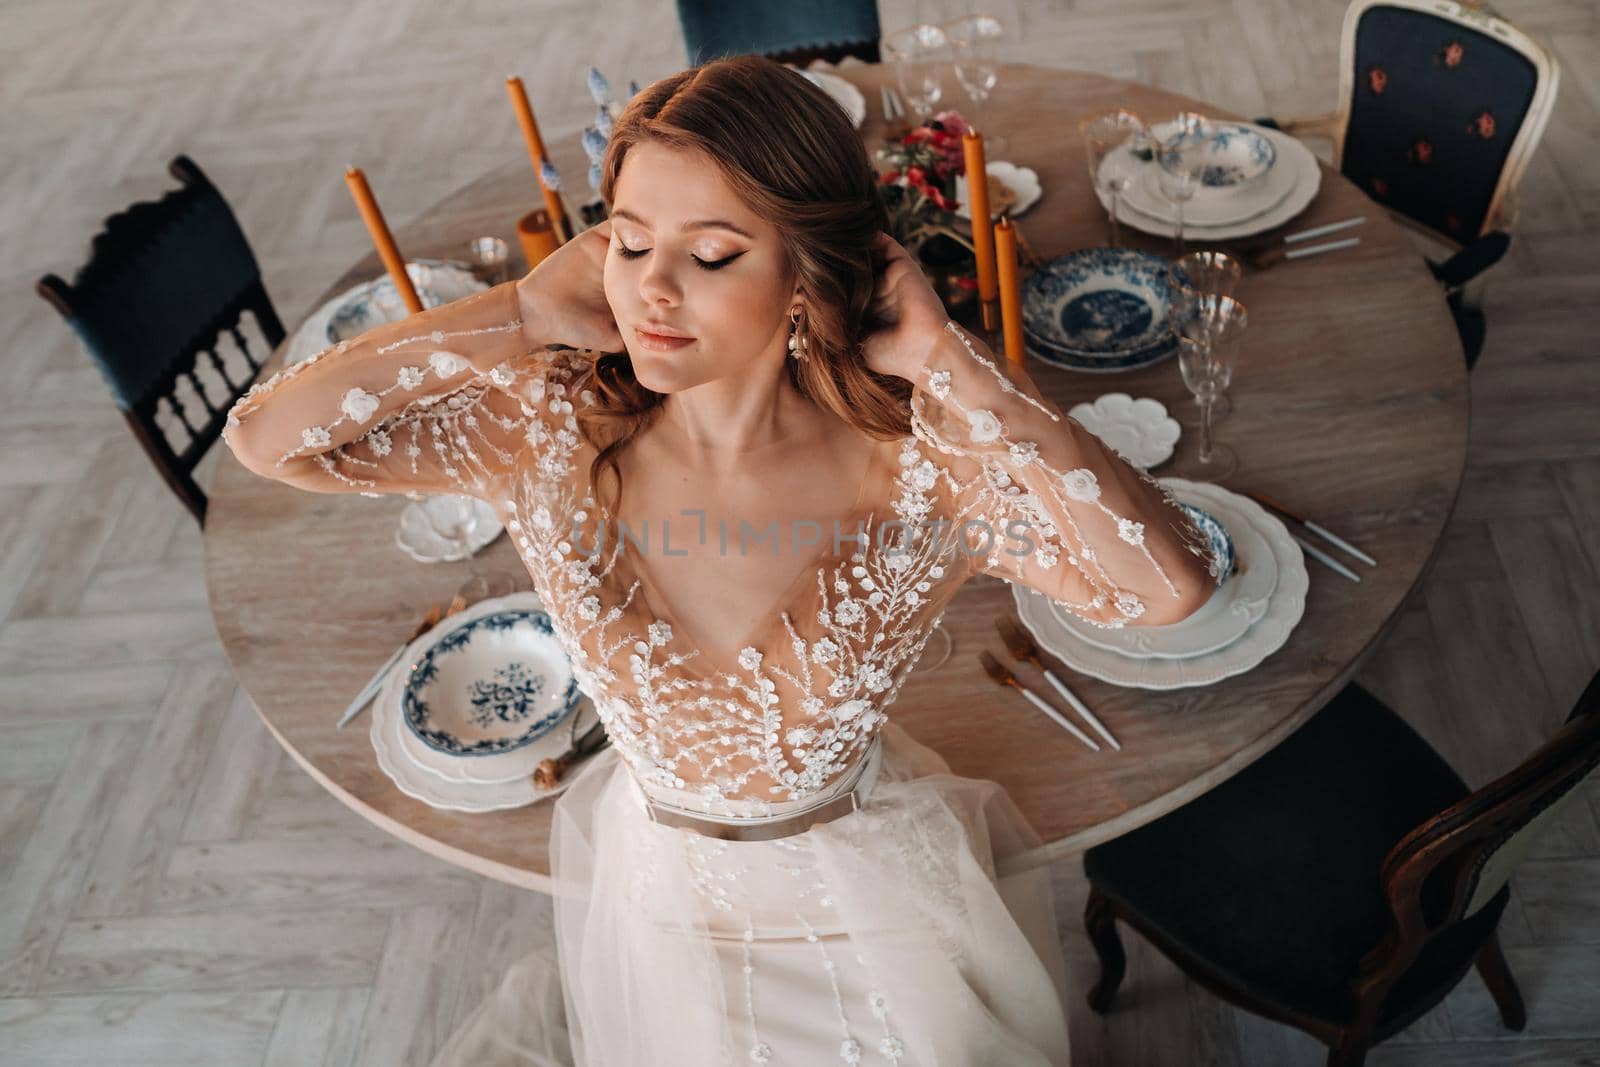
(441, 402)
(1043, 502)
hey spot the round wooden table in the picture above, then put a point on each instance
(1349, 403)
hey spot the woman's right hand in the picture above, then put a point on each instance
(563, 299)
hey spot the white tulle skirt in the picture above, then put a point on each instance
(882, 937)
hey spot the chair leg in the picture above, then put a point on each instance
(1496, 975)
(1099, 919)
(1353, 1055)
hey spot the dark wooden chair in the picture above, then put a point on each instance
(1441, 105)
(166, 279)
(1343, 883)
(787, 32)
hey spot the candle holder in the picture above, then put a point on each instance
(538, 236)
(487, 258)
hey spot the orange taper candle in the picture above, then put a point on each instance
(393, 261)
(1005, 251)
(982, 237)
(535, 143)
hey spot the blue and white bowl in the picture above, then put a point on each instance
(1230, 155)
(1221, 542)
(1099, 309)
(491, 685)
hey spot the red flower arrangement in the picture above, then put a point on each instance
(923, 166)
(919, 188)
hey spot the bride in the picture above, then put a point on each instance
(748, 460)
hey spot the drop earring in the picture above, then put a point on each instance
(797, 344)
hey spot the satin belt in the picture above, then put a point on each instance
(839, 799)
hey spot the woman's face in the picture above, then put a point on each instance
(690, 259)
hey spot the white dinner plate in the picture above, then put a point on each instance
(1211, 205)
(1285, 607)
(1292, 156)
(1234, 607)
(844, 93)
(449, 281)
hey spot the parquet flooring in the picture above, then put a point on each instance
(173, 890)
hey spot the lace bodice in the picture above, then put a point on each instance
(993, 479)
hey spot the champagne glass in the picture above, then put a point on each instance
(974, 40)
(1197, 274)
(1182, 160)
(453, 518)
(1210, 329)
(1103, 136)
(918, 55)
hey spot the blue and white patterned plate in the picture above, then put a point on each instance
(490, 685)
(1099, 303)
(1221, 543)
(1095, 365)
(377, 302)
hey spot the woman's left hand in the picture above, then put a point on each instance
(916, 315)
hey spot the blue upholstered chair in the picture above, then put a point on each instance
(1344, 882)
(1441, 105)
(166, 279)
(788, 32)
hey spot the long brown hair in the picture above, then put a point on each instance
(790, 153)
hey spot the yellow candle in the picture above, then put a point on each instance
(978, 205)
(535, 143)
(1005, 250)
(393, 261)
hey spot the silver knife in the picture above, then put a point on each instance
(370, 690)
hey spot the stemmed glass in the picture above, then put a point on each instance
(973, 41)
(1210, 329)
(453, 518)
(1102, 136)
(919, 55)
(1182, 162)
(1202, 273)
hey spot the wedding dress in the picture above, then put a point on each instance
(884, 936)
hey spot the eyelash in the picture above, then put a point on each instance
(628, 253)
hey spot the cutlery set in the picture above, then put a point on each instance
(1299, 527)
(1023, 647)
(1291, 246)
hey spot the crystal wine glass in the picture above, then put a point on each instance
(1210, 329)
(1103, 135)
(453, 518)
(974, 40)
(1198, 274)
(919, 55)
(1181, 155)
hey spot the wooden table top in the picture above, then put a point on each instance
(1350, 402)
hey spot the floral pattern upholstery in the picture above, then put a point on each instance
(1436, 106)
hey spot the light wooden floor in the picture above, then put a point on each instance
(175, 891)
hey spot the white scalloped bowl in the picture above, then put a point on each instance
(1022, 181)
(1140, 431)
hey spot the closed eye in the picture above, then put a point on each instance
(628, 253)
(716, 264)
